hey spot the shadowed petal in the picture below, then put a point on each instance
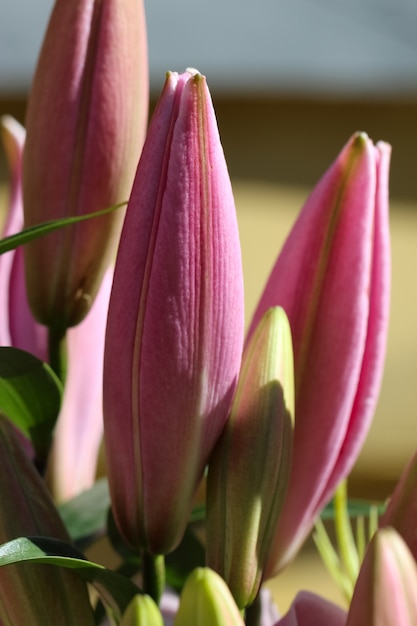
(86, 122)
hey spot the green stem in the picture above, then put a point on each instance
(331, 560)
(253, 612)
(56, 352)
(153, 570)
(344, 534)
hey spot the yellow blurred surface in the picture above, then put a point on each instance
(306, 573)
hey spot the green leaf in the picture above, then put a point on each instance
(86, 515)
(117, 542)
(198, 514)
(127, 569)
(115, 590)
(356, 508)
(30, 396)
(181, 562)
(33, 232)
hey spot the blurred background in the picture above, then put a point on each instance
(291, 80)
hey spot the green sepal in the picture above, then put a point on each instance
(85, 515)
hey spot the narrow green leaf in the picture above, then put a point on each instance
(374, 513)
(128, 569)
(344, 533)
(115, 590)
(331, 559)
(33, 232)
(30, 396)
(356, 508)
(360, 537)
(86, 515)
(198, 514)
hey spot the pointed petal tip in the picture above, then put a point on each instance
(194, 72)
(384, 149)
(361, 136)
(10, 125)
(13, 137)
(361, 139)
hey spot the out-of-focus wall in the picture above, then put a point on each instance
(292, 141)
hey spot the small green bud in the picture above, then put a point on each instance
(142, 611)
(206, 600)
(250, 468)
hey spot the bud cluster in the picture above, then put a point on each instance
(149, 345)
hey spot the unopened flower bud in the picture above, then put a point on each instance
(86, 122)
(250, 467)
(332, 277)
(207, 601)
(142, 611)
(175, 325)
(386, 590)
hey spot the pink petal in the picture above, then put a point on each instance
(86, 123)
(332, 279)
(385, 592)
(174, 334)
(401, 512)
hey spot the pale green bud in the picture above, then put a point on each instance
(207, 601)
(249, 471)
(142, 611)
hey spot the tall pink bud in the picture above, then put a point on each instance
(85, 128)
(332, 279)
(175, 325)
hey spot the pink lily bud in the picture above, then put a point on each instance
(175, 324)
(18, 327)
(386, 589)
(250, 467)
(311, 610)
(401, 512)
(207, 601)
(39, 595)
(332, 279)
(72, 463)
(86, 123)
